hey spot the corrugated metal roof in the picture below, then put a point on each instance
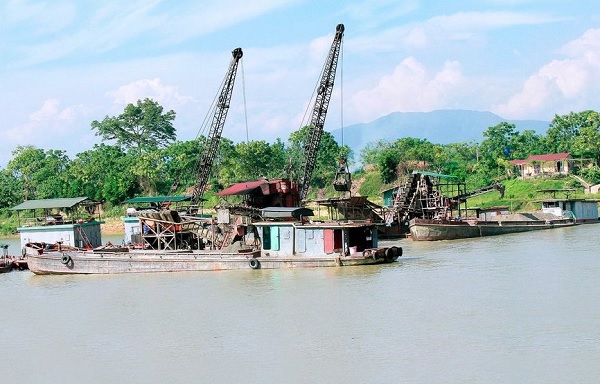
(158, 199)
(49, 203)
(546, 157)
(241, 188)
(549, 157)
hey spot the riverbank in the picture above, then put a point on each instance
(112, 226)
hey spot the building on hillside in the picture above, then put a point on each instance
(551, 164)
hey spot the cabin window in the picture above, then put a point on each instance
(266, 237)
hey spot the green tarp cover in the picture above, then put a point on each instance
(158, 199)
(49, 203)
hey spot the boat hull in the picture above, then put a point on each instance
(431, 230)
(137, 261)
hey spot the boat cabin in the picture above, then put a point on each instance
(71, 221)
(313, 238)
(584, 210)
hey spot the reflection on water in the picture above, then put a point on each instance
(514, 308)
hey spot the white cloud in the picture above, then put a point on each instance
(41, 17)
(371, 13)
(95, 28)
(411, 87)
(438, 30)
(561, 86)
(49, 121)
(149, 88)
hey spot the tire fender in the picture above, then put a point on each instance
(66, 259)
(254, 263)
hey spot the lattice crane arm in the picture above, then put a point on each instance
(205, 164)
(319, 111)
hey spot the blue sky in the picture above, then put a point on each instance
(67, 63)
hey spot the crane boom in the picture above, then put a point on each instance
(319, 111)
(204, 166)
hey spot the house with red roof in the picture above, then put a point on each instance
(550, 164)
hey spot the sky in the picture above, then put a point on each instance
(67, 63)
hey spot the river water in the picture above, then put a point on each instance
(522, 308)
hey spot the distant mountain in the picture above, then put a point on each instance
(438, 127)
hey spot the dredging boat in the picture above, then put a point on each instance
(433, 207)
(174, 243)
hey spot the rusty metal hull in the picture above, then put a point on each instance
(139, 261)
(431, 230)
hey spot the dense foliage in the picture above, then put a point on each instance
(480, 164)
(140, 155)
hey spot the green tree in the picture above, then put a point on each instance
(224, 166)
(143, 127)
(370, 152)
(327, 161)
(387, 162)
(11, 189)
(587, 142)
(180, 159)
(103, 173)
(42, 173)
(563, 131)
(404, 156)
(460, 159)
(259, 159)
(498, 143)
(527, 143)
(148, 167)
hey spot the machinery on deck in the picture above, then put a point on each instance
(428, 195)
(284, 192)
(204, 166)
(319, 112)
(166, 228)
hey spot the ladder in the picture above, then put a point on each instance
(86, 241)
(230, 232)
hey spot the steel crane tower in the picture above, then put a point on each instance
(319, 111)
(204, 166)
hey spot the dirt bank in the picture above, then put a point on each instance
(113, 226)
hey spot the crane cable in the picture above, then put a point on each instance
(304, 120)
(341, 82)
(245, 105)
